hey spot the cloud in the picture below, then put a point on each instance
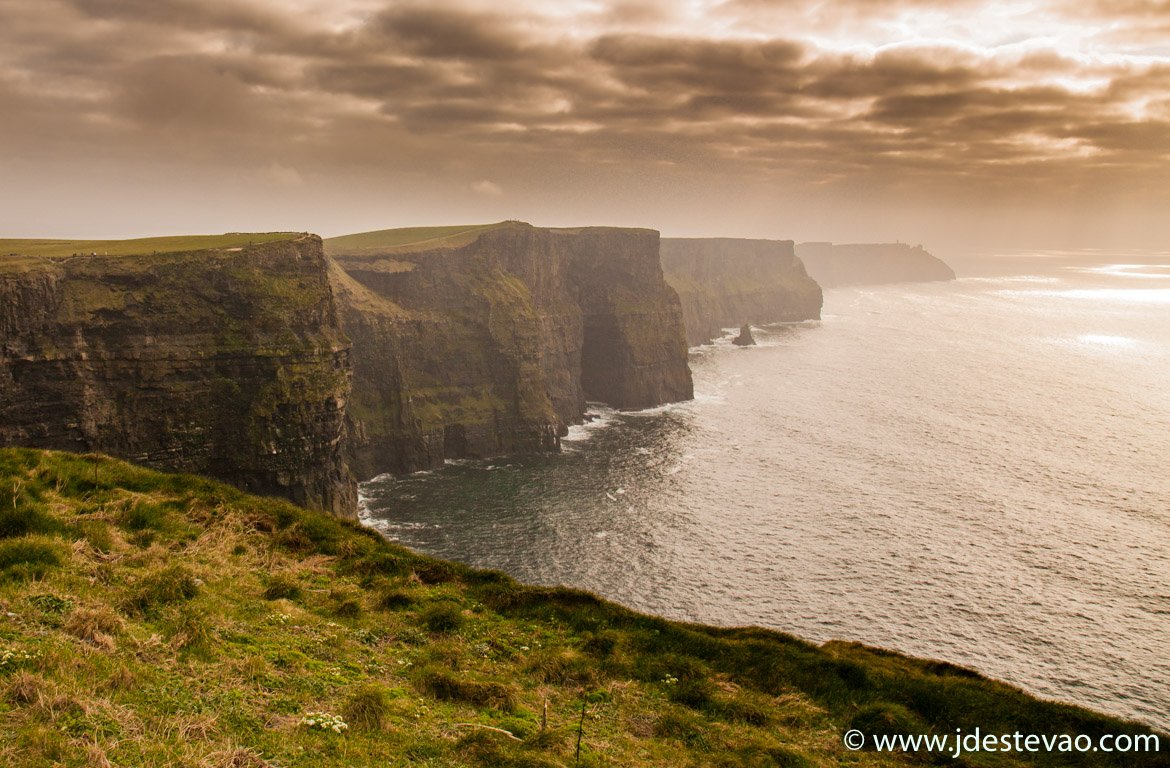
(487, 188)
(845, 95)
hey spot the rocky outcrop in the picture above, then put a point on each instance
(745, 338)
(483, 343)
(229, 363)
(836, 265)
(722, 282)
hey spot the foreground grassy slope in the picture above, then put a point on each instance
(167, 620)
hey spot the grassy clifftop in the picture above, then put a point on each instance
(408, 239)
(28, 251)
(167, 620)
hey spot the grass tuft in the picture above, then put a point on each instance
(25, 689)
(367, 707)
(235, 757)
(282, 586)
(395, 600)
(442, 617)
(447, 686)
(562, 666)
(21, 517)
(98, 626)
(345, 603)
(173, 584)
(886, 719)
(28, 557)
(191, 630)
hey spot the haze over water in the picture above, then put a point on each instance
(973, 471)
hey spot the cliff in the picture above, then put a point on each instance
(836, 265)
(724, 282)
(220, 356)
(479, 341)
(230, 356)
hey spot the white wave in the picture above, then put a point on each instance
(603, 416)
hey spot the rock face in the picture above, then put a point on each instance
(229, 363)
(836, 265)
(745, 338)
(484, 342)
(723, 281)
(234, 360)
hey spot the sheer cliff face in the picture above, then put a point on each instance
(836, 265)
(634, 351)
(236, 362)
(725, 282)
(494, 345)
(229, 363)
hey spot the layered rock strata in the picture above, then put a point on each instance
(227, 362)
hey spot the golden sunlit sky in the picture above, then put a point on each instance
(961, 125)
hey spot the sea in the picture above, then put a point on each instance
(976, 471)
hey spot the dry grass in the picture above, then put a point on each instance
(235, 757)
(25, 689)
(99, 626)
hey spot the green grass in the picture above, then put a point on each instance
(409, 238)
(46, 248)
(209, 626)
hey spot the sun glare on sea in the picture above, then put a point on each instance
(1107, 341)
(1144, 271)
(1100, 295)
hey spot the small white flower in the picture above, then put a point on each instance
(10, 658)
(323, 721)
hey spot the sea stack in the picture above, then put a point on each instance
(744, 339)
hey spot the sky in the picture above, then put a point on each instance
(962, 125)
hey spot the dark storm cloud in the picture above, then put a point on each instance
(232, 15)
(697, 65)
(891, 71)
(440, 33)
(188, 92)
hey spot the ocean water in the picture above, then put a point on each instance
(976, 471)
